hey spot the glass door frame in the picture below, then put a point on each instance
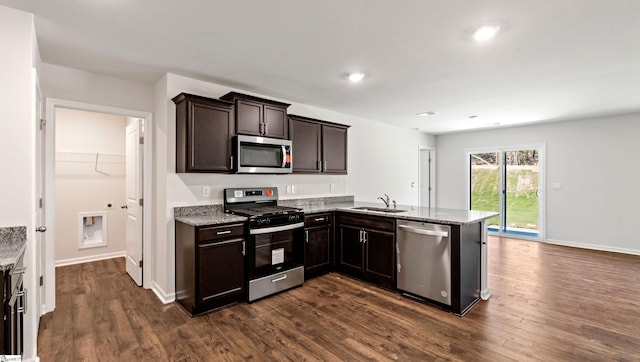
(541, 148)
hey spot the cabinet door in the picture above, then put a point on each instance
(275, 122)
(317, 250)
(334, 149)
(220, 271)
(210, 131)
(380, 251)
(305, 138)
(249, 117)
(350, 250)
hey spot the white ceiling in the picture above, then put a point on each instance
(552, 60)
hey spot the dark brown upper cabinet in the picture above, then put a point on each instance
(204, 129)
(318, 146)
(258, 116)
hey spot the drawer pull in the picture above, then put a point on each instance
(279, 279)
(223, 232)
(318, 219)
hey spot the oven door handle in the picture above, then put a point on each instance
(276, 229)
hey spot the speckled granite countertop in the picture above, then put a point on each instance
(213, 214)
(205, 215)
(13, 242)
(414, 213)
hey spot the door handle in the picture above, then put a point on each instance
(306, 236)
(124, 207)
(41, 229)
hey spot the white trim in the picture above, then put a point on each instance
(147, 209)
(88, 259)
(164, 297)
(597, 247)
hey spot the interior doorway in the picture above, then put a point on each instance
(509, 181)
(52, 105)
(427, 177)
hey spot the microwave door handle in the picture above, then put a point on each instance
(284, 156)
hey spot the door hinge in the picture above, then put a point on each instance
(141, 140)
(43, 123)
(41, 280)
(40, 203)
(140, 264)
(141, 203)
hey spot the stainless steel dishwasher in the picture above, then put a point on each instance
(424, 260)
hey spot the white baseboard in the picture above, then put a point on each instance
(164, 297)
(592, 246)
(87, 259)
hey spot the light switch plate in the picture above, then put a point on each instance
(556, 186)
(206, 191)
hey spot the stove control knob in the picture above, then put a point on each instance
(294, 218)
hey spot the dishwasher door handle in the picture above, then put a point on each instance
(410, 229)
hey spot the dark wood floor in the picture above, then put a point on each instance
(548, 303)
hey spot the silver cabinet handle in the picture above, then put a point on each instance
(325, 166)
(284, 155)
(366, 236)
(360, 231)
(243, 248)
(319, 219)
(17, 271)
(231, 162)
(23, 304)
(306, 236)
(265, 128)
(223, 232)
(279, 279)
(41, 229)
(443, 234)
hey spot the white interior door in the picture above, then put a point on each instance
(133, 205)
(427, 177)
(40, 214)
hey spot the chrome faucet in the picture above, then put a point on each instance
(386, 201)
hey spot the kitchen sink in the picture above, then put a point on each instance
(379, 209)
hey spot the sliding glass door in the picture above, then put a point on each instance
(508, 182)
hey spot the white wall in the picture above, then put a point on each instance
(86, 87)
(596, 160)
(17, 144)
(80, 189)
(382, 159)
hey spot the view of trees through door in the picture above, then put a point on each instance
(507, 182)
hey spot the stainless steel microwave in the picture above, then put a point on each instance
(262, 155)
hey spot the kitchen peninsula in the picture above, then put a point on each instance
(359, 239)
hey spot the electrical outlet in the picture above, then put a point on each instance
(332, 187)
(293, 189)
(205, 191)
(288, 189)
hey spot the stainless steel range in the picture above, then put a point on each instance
(275, 240)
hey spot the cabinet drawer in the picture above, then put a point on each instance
(379, 223)
(317, 219)
(209, 233)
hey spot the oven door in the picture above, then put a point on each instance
(275, 249)
(262, 155)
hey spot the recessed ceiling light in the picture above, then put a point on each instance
(355, 77)
(424, 114)
(492, 124)
(474, 116)
(486, 32)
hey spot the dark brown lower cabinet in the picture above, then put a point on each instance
(366, 248)
(209, 266)
(318, 246)
(14, 308)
